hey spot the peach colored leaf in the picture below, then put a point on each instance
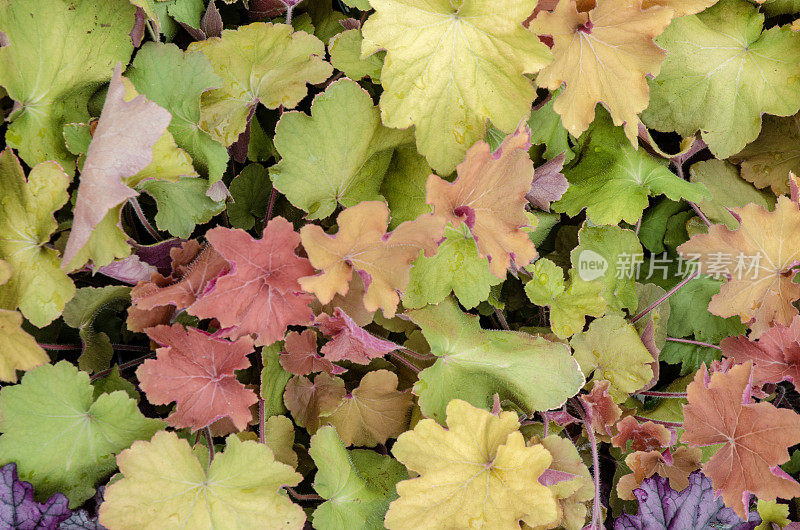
(775, 355)
(676, 467)
(603, 55)
(602, 408)
(260, 295)
(373, 412)
(489, 196)
(755, 437)
(363, 245)
(646, 436)
(300, 355)
(196, 370)
(349, 341)
(760, 258)
(157, 300)
(308, 400)
(121, 147)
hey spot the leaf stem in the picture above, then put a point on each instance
(416, 355)
(652, 393)
(665, 297)
(303, 497)
(272, 195)
(123, 366)
(210, 441)
(660, 422)
(60, 347)
(151, 30)
(143, 219)
(405, 362)
(586, 417)
(502, 319)
(699, 213)
(695, 342)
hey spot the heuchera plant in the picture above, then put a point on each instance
(440, 264)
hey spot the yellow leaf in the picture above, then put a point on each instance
(476, 473)
(165, 486)
(603, 56)
(451, 65)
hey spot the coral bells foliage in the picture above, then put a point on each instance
(399, 264)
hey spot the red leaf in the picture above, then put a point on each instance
(349, 341)
(776, 354)
(300, 355)
(196, 371)
(260, 295)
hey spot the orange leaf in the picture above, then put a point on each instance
(489, 196)
(363, 245)
(755, 437)
(646, 436)
(767, 244)
(196, 370)
(260, 295)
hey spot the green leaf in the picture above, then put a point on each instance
(609, 254)
(357, 485)
(37, 284)
(473, 364)
(273, 380)
(569, 304)
(182, 205)
(176, 80)
(250, 190)
(690, 316)
(89, 304)
(62, 440)
(60, 53)
(259, 63)
(721, 74)
(362, 5)
(690, 356)
(654, 224)
(113, 382)
(404, 185)
(728, 190)
(547, 130)
(457, 266)
(613, 180)
(338, 155)
(611, 350)
(345, 50)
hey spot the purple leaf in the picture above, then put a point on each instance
(19, 510)
(81, 520)
(549, 184)
(694, 508)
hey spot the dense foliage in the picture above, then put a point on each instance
(399, 264)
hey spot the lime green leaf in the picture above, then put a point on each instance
(611, 350)
(280, 438)
(363, 5)
(569, 305)
(404, 185)
(345, 50)
(273, 380)
(473, 364)
(728, 190)
(60, 439)
(336, 156)
(260, 62)
(37, 284)
(450, 66)
(613, 179)
(357, 485)
(721, 74)
(457, 266)
(250, 190)
(60, 53)
(182, 205)
(239, 489)
(176, 80)
(609, 254)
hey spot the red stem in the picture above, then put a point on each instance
(405, 362)
(665, 297)
(143, 219)
(123, 366)
(60, 347)
(652, 393)
(302, 497)
(587, 423)
(695, 342)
